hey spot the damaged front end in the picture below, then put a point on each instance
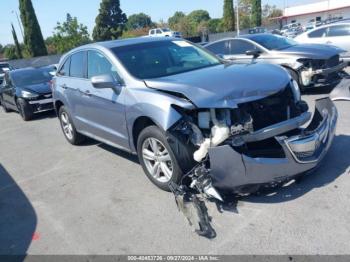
(259, 142)
(321, 72)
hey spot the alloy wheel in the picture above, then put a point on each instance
(67, 126)
(157, 160)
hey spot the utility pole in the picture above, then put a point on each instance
(237, 8)
(19, 23)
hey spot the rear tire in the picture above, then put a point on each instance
(24, 109)
(169, 155)
(3, 105)
(68, 128)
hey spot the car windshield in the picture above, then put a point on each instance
(163, 58)
(273, 42)
(30, 77)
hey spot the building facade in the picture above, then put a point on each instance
(316, 12)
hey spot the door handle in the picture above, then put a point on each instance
(64, 86)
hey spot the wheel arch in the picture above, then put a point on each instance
(140, 124)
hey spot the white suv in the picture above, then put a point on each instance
(166, 32)
(337, 34)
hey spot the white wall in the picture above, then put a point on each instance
(304, 19)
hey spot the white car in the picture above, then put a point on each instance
(163, 32)
(337, 34)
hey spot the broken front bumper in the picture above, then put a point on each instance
(303, 152)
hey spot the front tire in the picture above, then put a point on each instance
(68, 128)
(24, 109)
(157, 158)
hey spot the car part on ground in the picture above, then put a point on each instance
(311, 65)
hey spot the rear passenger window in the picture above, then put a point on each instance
(318, 33)
(220, 48)
(77, 65)
(65, 68)
(339, 30)
(241, 47)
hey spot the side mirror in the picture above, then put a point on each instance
(106, 81)
(254, 53)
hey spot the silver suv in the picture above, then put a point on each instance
(190, 117)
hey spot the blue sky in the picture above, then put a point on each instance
(51, 11)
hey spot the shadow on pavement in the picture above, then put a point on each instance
(18, 219)
(335, 164)
(119, 153)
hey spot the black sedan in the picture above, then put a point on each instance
(27, 91)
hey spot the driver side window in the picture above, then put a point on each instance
(98, 65)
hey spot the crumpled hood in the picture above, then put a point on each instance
(225, 86)
(43, 88)
(315, 51)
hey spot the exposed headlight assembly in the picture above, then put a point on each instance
(27, 94)
(296, 90)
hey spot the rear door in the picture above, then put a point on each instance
(72, 82)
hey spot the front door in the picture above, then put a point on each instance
(104, 109)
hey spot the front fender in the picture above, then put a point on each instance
(155, 105)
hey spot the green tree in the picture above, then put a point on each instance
(10, 52)
(256, 12)
(229, 16)
(215, 25)
(268, 12)
(198, 16)
(138, 21)
(110, 22)
(68, 35)
(174, 20)
(33, 38)
(17, 45)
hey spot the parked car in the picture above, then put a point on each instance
(163, 32)
(174, 104)
(27, 91)
(4, 67)
(336, 34)
(257, 30)
(310, 65)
